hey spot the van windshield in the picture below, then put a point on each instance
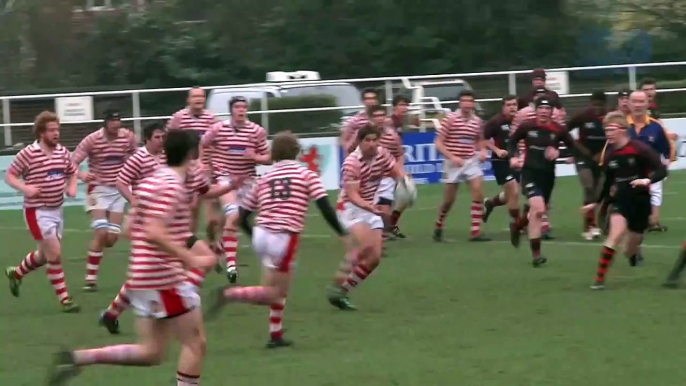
(345, 94)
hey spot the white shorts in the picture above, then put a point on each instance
(161, 304)
(44, 223)
(349, 215)
(386, 189)
(656, 194)
(275, 250)
(105, 198)
(232, 207)
(471, 169)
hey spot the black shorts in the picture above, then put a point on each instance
(537, 183)
(636, 211)
(503, 173)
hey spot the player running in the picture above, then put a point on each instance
(164, 300)
(197, 118)
(363, 170)
(390, 140)
(43, 173)
(459, 140)
(106, 149)
(280, 197)
(496, 136)
(651, 132)
(631, 166)
(589, 123)
(349, 132)
(542, 138)
(143, 164)
(236, 146)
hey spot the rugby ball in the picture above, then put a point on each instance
(405, 193)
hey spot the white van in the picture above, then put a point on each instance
(345, 93)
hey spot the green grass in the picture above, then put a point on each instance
(449, 314)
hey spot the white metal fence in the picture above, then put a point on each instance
(142, 104)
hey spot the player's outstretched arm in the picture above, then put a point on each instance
(244, 220)
(329, 215)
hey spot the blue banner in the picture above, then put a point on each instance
(424, 162)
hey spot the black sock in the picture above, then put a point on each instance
(535, 245)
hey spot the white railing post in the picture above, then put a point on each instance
(264, 106)
(6, 120)
(136, 101)
(632, 78)
(512, 83)
(389, 96)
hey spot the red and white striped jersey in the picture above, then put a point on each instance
(197, 180)
(162, 196)
(368, 173)
(460, 135)
(391, 141)
(105, 157)
(228, 145)
(529, 113)
(282, 195)
(352, 126)
(140, 165)
(49, 173)
(185, 119)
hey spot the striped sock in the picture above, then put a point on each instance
(183, 379)
(357, 276)
(275, 317)
(92, 266)
(56, 277)
(606, 256)
(30, 263)
(120, 304)
(230, 245)
(477, 215)
(442, 214)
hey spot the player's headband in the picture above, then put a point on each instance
(616, 126)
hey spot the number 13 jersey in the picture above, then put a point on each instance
(282, 195)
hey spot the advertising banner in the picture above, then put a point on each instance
(319, 155)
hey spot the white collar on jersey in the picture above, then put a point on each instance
(36, 146)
